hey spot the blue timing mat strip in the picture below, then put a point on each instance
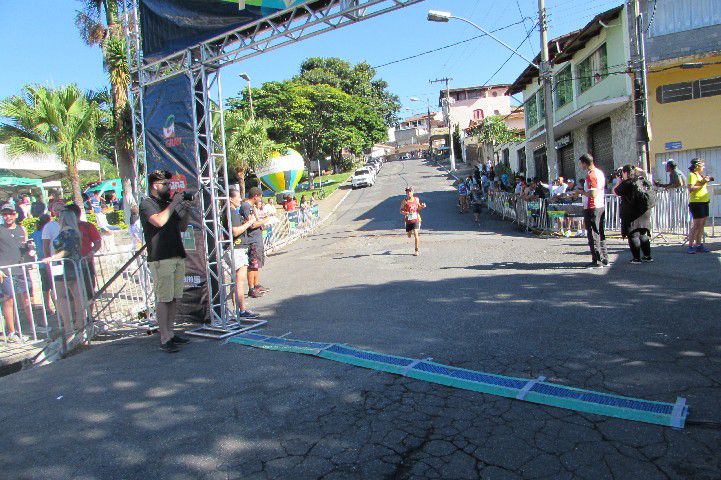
(530, 390)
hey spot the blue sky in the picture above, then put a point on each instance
(40, 45)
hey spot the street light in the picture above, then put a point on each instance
(246, 77)
(445, 17)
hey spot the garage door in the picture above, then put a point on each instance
(566, 162)
(683, 158)
(602, 146)
(541, 163)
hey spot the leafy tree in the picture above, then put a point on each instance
(98, 24)
(44, 120)
(356, 80)
(494, 131)
(317, 120)
(247, 146)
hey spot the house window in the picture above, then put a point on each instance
(478, 114)
(541, 104)
(506, 157)
(532, 111)
(679, 92)
(593, 69)
(564, 87)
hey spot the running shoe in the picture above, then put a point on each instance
(691, 250)
(635, 261)
(702, 249)
(169, 347)
(13, 338)
(248, 314)
(648, 259)
(262, 288)
(255, 293)
(180, 339)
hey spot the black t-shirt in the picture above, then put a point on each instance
(164, 242)
(236, 220)
(252, 235)
(10, 245)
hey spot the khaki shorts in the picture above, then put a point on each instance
(240, 257)
(168, 278)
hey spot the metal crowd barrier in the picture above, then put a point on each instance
(289, 227)
(670, 215)
(58, 306)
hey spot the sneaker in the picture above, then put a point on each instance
(248, 315)
(702, 249)
(169, 347)
(635, 261)
(691, 250)
(179, 339)
(262, 288)
(13, 338)
(255, 293)
(647, 259)
(605, 263)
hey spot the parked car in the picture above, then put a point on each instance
(363, 177)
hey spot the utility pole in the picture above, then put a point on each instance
(640, 95)
(547, 78)
(448, 119)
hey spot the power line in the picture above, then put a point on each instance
(446, 46)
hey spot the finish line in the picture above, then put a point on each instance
(530, 390)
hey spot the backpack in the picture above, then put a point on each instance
(643, 194)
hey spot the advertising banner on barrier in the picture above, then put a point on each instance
(169, 26)
(170, 145)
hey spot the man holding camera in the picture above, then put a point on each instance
(164, 218)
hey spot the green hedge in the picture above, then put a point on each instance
(114, 218)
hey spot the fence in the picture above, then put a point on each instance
(670, 215)
(289, 227)
(49, 309)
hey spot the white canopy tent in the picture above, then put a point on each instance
(45, 167)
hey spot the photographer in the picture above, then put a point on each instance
(699, 199)
(637, 200)
(163, 218)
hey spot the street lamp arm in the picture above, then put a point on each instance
(494, 38)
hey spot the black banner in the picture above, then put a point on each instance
(170, 145)
(169, 26)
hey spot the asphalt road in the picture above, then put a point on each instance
(484, 297)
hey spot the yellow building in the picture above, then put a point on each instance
(685, 111)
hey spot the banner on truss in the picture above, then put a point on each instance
(170, 26)
(170, 145)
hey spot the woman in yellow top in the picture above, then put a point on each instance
(699, 199)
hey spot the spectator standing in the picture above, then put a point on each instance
(66, 247)
(23, 209)
(45, 280)
(38, 207)
(594, 211)
(675, 180)
(699, 199)
(462, 197)
(252, 240)
(55, 203)
(96, 203)
(135, 228)
(476, 204)
(635, 215)
(163, 219)
(90, 244)
(13, 244)
(240, 225)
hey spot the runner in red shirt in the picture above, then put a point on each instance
(411, 207)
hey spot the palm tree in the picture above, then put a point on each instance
(98, 24)
(45, 120)
(247, 146)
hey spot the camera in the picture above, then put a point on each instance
(189, 195)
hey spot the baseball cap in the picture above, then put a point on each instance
(671, 163)
(7, 206)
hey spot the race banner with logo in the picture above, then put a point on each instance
(169, 26)
(170, 145)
